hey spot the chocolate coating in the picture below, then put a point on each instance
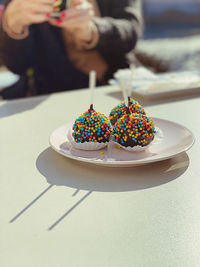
(92, 126)
(134, 130)
(121, 110)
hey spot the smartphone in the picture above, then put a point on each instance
(59, 6)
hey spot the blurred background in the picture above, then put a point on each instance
(169, 18)
(171, 39)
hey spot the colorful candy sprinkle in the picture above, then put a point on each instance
(92, 126)
(120, 110)
(134, 129)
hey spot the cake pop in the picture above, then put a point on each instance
(133, 130)
(121, 109)
(91, 131)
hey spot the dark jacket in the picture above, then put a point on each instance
(120, 27)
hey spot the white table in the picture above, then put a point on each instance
(56, 212)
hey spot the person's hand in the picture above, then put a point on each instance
(76, 20)
(20, 14)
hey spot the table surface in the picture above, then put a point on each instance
(56, 212)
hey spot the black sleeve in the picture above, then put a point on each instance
(120, 29)
(18, 55)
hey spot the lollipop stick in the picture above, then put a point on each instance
(124, 91)
(92, 85)
(132, 68)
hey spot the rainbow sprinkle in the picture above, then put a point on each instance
(92, 126)
(120, 110)
(134, 129)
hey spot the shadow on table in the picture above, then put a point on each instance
(157, 100)
(12, 107)
(61, 171)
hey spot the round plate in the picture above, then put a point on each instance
(176, 139)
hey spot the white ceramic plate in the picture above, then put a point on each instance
(176, 139)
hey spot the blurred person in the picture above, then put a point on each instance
(89, 35)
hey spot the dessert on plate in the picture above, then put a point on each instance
(134, 132)
(91, 131)
(122, 109)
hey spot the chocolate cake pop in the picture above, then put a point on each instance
(121, 109)
(91, 128)
(133, 130)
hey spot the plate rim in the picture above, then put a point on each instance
(125, 163)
